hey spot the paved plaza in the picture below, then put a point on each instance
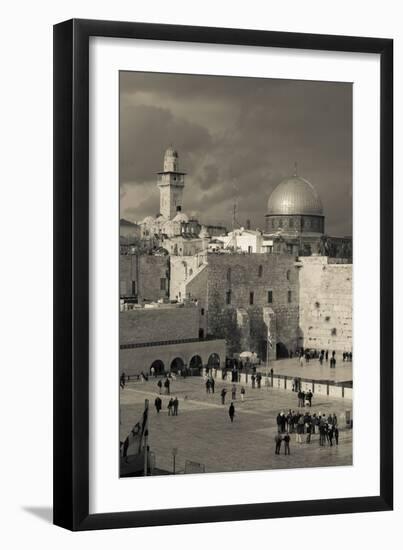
(312, 370)
(202, 431)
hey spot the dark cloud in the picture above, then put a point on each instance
(237, 138)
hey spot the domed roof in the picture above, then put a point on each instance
(181, 217)
(295, 195)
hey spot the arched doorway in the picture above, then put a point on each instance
(158, 366)
(213, 361)
(177, 364)
(281, 350)
(196, 362)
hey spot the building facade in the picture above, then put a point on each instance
(166, 338)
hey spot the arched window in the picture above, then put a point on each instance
(260, 271)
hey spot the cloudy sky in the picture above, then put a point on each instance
(237, 138)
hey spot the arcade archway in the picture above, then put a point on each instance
(159, 367)
(196, 362)
(177, 364)
(213, 361)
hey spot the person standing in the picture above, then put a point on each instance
(309, 396)
(330, 433)
(259, 380)
(170, 406)
(212, 384)
(308, 431)
(336, 434)
(176, 406)
(231, 411)
(253, 378)
(300, 429)
(243, 393)
(278, 420)
(152, 372)
(286, 444)
(223, 394)
(166, 385)
(123, 380)
(327, 355)
(278, 439)
(282, 422)
(158, 404)
(159, 384)
(233, 392)
(208, 385)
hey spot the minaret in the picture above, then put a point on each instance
(171, 183)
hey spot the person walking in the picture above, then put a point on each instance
(286, 439)
(223, 394)
(158, 404)
(231, 411)
(176, 406)
(170, 406)
(122, 380)
(278, 439)
(233, 392)
(243, 393)
(253, 378)
(159, 384)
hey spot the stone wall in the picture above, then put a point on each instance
(241, 275)
(159, 324)
(140, 275)
(325, 307)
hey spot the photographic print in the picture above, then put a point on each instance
(236, 275)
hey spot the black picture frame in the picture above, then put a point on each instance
(71, 273)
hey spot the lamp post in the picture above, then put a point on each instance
(174, 453)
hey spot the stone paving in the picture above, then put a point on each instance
(202, 431)
(313, 370)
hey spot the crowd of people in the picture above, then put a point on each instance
(305, 355)
(305, 425)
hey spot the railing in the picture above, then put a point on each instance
(168, 342)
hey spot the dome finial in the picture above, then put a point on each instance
(295, 169)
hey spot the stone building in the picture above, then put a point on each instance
(143, 278)
(166, 337)
(171, 220)
(235, 291)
